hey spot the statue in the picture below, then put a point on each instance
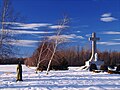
(19, 72)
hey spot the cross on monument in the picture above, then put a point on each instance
(93, 39)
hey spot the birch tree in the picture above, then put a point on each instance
(57, 40)
(45, 47)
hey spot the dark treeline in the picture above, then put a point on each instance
(110, 57)
(71, 56)
(12, 60)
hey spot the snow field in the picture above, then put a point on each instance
(72, 79)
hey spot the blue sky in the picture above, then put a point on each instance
(86, 16)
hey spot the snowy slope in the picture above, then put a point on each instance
(72, 79)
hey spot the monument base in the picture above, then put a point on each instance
(97, 63)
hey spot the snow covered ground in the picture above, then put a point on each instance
(72, 79)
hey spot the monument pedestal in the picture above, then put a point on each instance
(97, 63)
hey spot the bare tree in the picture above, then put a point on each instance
(41, 51)
(7, 18)
(41, 54)
(57, 41)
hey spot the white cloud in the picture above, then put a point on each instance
(25, 43)
(33, 26)
(78, 31)
(88, 35)
(80, 37)
(117, 39)
(58, 27)
(106, 17)
(108, 43)
(11, 23)
(66, 37)
(111, 32)
(28, 32)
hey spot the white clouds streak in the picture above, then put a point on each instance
(58, 27)
(78, 31)
(117, 39)
(31, 43)
(108, 43)
(28, 32)
(33, 26)
(112, 32)
(25, 43)
(106, 17)
(32, 32)
(66, 37)
(88, 35)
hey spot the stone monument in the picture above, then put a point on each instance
(94, 56)
(93, 39)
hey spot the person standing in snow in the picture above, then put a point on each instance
(19, 72)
